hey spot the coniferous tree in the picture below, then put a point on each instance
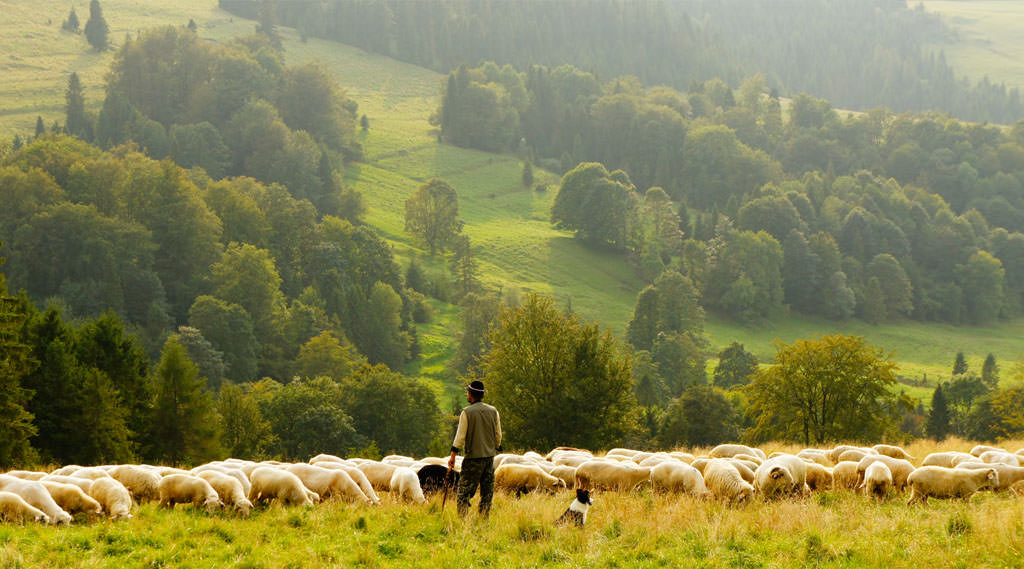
(990, 371)
(16, 426)
(71, 24)
(960, 364)
(16, 143)
(464, 267)
(364, 123)
(40, 127)
(76, 122)
(527, 174)
(267, 23)
(96, 29)
(938, 419)
(185, 420)
(192, 25)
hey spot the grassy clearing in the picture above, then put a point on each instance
(990, 39)
(641, 529)
(515, 245)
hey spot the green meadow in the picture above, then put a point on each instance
(517, 249)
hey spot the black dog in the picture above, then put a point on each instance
(577, 512)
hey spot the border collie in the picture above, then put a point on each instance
(577, 512)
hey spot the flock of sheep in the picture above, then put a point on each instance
(731, 472)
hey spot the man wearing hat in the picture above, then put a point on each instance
(479, 439)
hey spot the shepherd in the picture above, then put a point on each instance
(479, 439)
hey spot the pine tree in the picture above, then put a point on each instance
(76, 123)
(364, 123)
(464, 267)
(938, 420)
(40, 127)
(192, 25)
(15, 361)
(71, 24)
(527, 174)
(96, 29)
(267, 18)
(990, 371)
(960, 364)
(16, 143)
(185, 420)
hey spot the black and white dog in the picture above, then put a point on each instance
(577, 512)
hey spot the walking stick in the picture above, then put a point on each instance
(447, 477)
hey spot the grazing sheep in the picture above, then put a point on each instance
(844, 475)
(656, 459)
(682, 456)
(90, 473)
(725, 483)
(525, 478)
(26, 474)
(326, 458)
(892, 452)
(169, 470)
(406, 485)
(188, 489)
(433, 477)
(71, 498)
(945, 459)
(1008, 475)
(36, 495)
(834, 454)
(272, 483)
(113, 497)
(999, 457)
(142, 483)
(358, 477)
(782, 475)
(815, 455)
(13, 508)
(84, 483)
(730, 450)
(571, 458)
(755, 460)
(982, 449)
(818, 477)
(611, 475)
(229, 489)
(566, 474)
(626, 452)
(66, 470)
(746, 469)
(701, 463)
(534, 455)
(1018, 488)
(508, 458)
(937, 482)
(677, 477)
(228, 468)
(900, 469)
(378, 473)
(329, 483)
(877, 480)
(855, 454)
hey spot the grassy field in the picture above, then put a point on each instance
(640, 529)
(990, 39)
(516, 246)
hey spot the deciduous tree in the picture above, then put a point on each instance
(432, 214)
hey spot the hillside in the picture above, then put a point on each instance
(516, 246)
(988, 38)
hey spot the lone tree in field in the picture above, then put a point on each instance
(832, 388)
(96, 29)
(71, 24)
(77, 123)
(555, 379)
(432, 214)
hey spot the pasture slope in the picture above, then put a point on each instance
(830, 529)
(516, 247)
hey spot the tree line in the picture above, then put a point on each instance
(860, 55)
(877, 216)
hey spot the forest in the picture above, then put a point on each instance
(859, 55)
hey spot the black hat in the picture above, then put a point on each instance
(477, 387)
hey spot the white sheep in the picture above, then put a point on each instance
(525, 478)
(1008, 475)
(611, 475)
(725, 483)
(67, 470)
(892, 451)
(13, 508)
(326, 458)
(945, 459)
(815, 455)
(776, 478)
(999, 457)
(566, 474)
(818, 477)
(834, 454)
(26, 474)
(677, 477)
(113, 496)
(877, 480)
(844, 476)
(90, 473)
(272, 483)
(979, 450)
(84, 483)
(855, 454)
(37, 496)
(900, 469)
(682, 456)
(71, 498)
(378, 473)
(188, 489)
(142, 483)
(328, 483)
(406, 485)
(357, 476)
(938, 482)
(730, 450)
(229, 489)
